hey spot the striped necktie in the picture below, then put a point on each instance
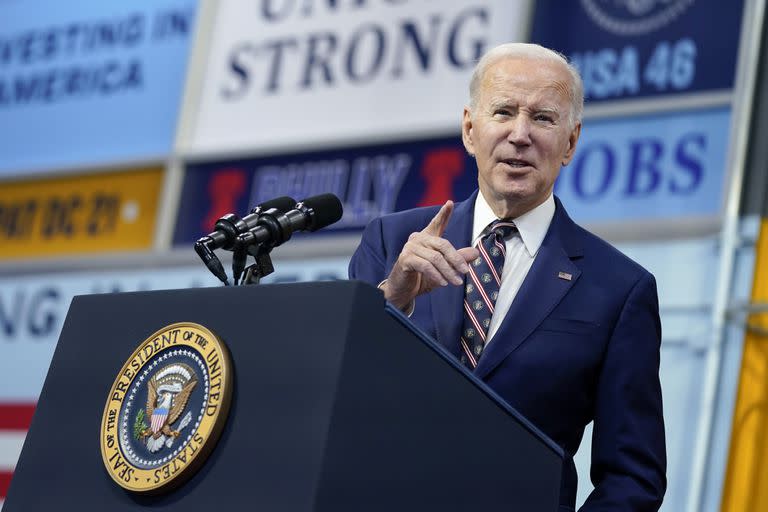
(482, 290)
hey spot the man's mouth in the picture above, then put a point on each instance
(516, 162)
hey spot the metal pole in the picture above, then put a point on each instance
(749, 54)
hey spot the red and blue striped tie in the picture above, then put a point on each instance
(482, 289)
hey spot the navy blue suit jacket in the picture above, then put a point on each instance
(569, 351)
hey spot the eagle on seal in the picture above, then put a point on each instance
(168, 392)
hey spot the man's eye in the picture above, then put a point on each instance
(502, 112)
(546, 118)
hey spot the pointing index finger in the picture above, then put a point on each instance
(437, 225)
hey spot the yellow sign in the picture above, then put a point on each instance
(79, 214)
(166, 408)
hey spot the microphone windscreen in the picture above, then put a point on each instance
(282, 204)
(326, 209)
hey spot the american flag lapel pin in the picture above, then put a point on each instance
(565, 275)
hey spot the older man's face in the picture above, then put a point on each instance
(520, 133)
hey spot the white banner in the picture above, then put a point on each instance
(277, 70)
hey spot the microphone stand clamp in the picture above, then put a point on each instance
(262, 267)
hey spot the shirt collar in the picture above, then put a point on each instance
(531, 225)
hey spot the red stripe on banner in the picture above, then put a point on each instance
(16, 416)
(5, 482)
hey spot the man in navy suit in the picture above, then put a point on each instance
(574, 334)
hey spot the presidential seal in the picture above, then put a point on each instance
(166, 408)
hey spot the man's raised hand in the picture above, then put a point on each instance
(427, 261)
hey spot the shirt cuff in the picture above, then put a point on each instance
(408, 311)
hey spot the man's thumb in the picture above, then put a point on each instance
(469, 254)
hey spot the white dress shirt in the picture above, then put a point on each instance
(522, 247)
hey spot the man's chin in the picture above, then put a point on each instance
(515, 192)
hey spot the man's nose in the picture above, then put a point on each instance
(520, 131)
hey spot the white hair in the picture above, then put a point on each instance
(532, 52)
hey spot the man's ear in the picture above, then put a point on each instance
(466, 131)
(573, 138)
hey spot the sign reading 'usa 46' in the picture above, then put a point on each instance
(642, 48)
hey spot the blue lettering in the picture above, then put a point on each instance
(644, 172)
(36, 46)
(300, 180)
(107, 34)
(106, 78)
(477, 45)
(324, 57)
(606, 73)
(76, 81)
(422, 49)
(321, 47)
(604, 62)
(26, 47)
(357, 208)
(374, 186)
(42, 321)
(49, 45)
(374, 61)
(627, 79)
(25, 89)
(9, 318)
(38, 313)
(47, 91)
(133, 78)
(689, 154)
(271, 14)
(604, 173)
(172, 23)
(388, 180)
(5, 52)
(71, 36)
(277, 53)
(239, 71)
(109, 84)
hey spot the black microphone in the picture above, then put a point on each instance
(274, 227)
(239, 251)
(230, 225)
(225, 233)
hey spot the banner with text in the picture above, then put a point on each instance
(97, 213)
(370, 181)
(633, 49)
(629, 170)
(668, 167)
(33, 309)
(287, 73)
(97, 83)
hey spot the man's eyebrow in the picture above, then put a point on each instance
(547, 110)
(501, 102)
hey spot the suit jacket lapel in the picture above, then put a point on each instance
(541, 291)
(446, 301)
